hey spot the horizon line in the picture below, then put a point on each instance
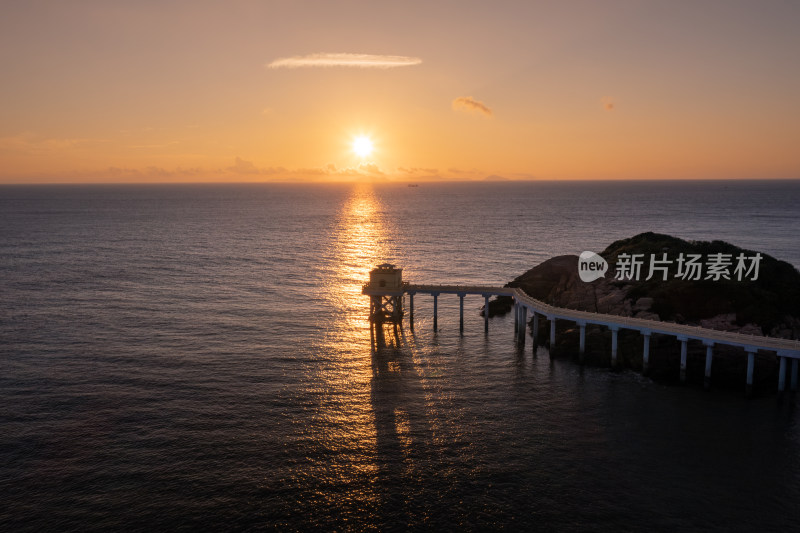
(392, 181)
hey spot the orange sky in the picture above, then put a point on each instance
(278, 90)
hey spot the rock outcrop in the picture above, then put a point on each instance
(764, 304)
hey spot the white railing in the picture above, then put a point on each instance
(641, 324)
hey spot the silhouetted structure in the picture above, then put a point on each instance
(386, 289)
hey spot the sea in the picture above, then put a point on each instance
(198, 357)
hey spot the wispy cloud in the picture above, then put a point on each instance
(29, 144)
(242, 166)
(468, 103)
(345, 60)
(418, 170)
(370, 168)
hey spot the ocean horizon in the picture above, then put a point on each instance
(180, 356)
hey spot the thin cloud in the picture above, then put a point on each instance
(370, 168)
(242, 166)
(29, 144)
(345, 60)
(418, 170)
(468, 103)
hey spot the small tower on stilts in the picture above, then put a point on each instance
(385, 289)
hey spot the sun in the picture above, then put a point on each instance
(362, 146)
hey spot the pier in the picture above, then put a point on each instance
(387, 290)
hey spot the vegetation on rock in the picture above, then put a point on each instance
(766, 304)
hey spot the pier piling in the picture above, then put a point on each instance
(461, 313)
(523, 316)
(435, 311)
(683, 340)
(614, 332)
(411, 311)
(709, 358)
(486, 313)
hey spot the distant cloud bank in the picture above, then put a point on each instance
(345, 60)
(468, 103)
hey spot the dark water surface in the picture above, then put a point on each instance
(198, 357)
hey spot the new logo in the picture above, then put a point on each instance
(591, 266)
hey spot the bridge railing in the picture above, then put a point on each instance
(368, 286)
(640, 324)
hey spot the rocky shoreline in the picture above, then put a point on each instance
(767, 304)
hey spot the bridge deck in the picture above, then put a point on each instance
(784, 347)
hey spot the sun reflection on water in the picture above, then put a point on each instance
(344, 429)
(371, 405)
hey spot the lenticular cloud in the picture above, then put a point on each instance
(345, 60)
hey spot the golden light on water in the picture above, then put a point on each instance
(350, 434)
(361, 234)
(372, 403)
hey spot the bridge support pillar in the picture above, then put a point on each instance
(435, 311)
(411, 310)
(614, 333)
(683, 340)
(516, 316)
(782, 374)
(646, 353)
(793, 383)
(552, 333)
(486, 313)
(748, 389)
(523, 317)
(582, 341)
(709, 357)
(461, 313)
(535, 329)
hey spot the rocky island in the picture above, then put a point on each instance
(727, 288)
